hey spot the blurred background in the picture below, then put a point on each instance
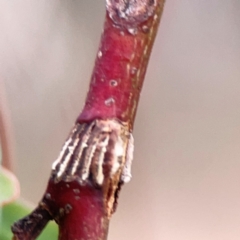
(186, 170)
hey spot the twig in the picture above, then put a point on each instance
(5, 132)
(96, 158)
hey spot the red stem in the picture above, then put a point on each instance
(78, 204)
(96, 158)
(120, 69)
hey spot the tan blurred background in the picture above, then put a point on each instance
(186, 172)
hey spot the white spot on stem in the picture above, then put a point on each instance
(113, 83)
(110, 101)
(99, 54)
(132, 31)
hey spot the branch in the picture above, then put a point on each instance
(5, 132)
(96, 158)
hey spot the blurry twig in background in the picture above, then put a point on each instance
(5, 132)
